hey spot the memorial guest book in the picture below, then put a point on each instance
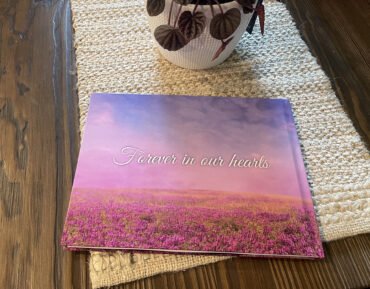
(191, 174)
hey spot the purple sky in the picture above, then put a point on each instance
(196, 126)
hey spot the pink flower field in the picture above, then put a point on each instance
(195, 220)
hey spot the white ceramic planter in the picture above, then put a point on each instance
(199, 53)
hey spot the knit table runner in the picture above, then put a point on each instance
(115, 53)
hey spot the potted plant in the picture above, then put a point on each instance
(199, 34)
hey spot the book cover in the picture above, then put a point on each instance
(191, 174)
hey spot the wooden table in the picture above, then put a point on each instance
(39, 146)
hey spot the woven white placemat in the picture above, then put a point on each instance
(115, 53)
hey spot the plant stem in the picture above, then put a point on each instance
(196, 6)
(218, 3)
(177, 16)
(169, 16)
(210, 5)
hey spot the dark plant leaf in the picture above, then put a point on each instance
(247, 9)
(261, 16)
(183, 2)
(155, 7)
(223, 25)
(253, 19)
(247, 5)
(170, 38)
(222, 48)
(246, 2)
(192, 25)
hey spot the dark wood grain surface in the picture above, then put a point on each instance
(39, 145)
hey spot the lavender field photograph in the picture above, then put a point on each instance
(191, 174)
